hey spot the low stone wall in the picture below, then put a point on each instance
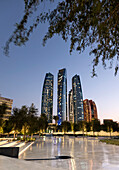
(91, 133)
(9, 151)
(9, 139)
(101, 133)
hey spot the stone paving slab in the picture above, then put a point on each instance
(87, 154)
(7, 163)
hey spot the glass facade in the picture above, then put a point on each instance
(47, 97)
(70, 104)
(77, 99)
(94, 114)
(87, 110)
(62, 96)
(90, 110)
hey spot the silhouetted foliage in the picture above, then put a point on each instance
(76, 127)
(8, 126)
(88, 126)
(115, 126)
(95, 125)
(42, 122)
(32, 120)
(89, 23)
(110, 125)
(66, 126)
(56, 118)
(18, 119)
(24, 118)
(82, 125)
(3, 108)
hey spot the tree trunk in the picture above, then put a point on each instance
(8, 134)
(24, 132)
(31, 136)
(14, 135)
(83, 133)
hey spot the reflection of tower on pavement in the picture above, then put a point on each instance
(53, 151)
(58, 147)
(72, 162)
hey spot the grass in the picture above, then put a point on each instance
(110, 141)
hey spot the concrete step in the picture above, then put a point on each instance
(10, 144)
(3, 142)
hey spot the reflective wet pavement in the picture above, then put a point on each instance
(73, 153)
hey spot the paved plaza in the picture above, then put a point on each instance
(70, 153)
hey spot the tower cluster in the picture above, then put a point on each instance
(76, 110)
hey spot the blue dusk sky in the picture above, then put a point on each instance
(22, 74)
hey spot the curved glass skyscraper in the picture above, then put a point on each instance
(62, 96)
(47, 97)
(70, 106)
(77, 99)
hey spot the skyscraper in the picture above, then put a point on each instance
(62, 96)
(90, 110)
(70, 106)
(87, 110)
(77, 99)
(93, 109)
(47, 97)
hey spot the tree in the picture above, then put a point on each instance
(82, 126)
(32, 110)
(56, 118)
(115, 126)
(72, 126)
(89, 23)
(95, 125)
(7, 128)
(3, 108)
(42, 122)
(40, 125)
(25, 119)
(66, 126)
(88, 126)
(76, 127)
(32, 125)
(32, 120)
(108, 125)
(16, 120)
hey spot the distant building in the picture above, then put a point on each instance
(87, 110)
(70, 106)
(90, 110)
(93, 110)
(9, 103)
(47, 97)
(77, 99)
(62, 96)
